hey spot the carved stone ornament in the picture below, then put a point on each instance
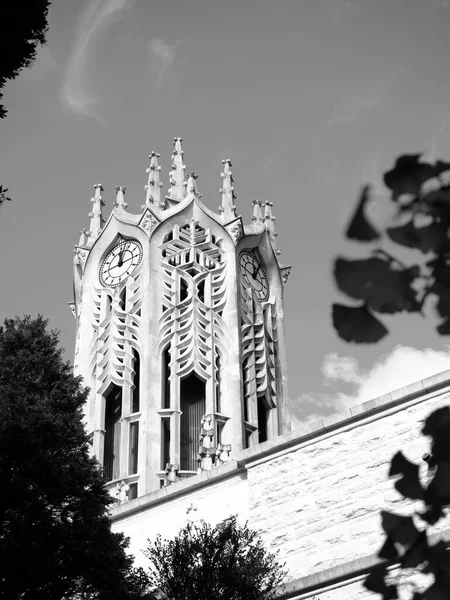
(236, 230)
(73, 309)
(148, 222)
(285, 273)
(80, 256)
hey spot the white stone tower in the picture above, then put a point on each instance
(179, 316)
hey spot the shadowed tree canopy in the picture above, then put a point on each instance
(24, 27)
(380, 283)
(226, 562)
(55, 536)
(407, 543)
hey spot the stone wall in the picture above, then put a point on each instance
(314, 494)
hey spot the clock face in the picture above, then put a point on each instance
(252, 271)
(120, 262)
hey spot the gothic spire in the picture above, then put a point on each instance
(257, 212)
(96, 216)
(119, 202)
(269, 220)
(228, 207)
(153, 187)
(177, 182)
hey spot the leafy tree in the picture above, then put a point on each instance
(407, 542)
(226, 562)
(55, 536)
(24, 27)
(381, 283)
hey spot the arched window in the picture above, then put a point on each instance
(113, 414)
(193, 406)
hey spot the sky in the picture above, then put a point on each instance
(309, 98)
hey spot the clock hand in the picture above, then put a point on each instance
(255, 273)
(122, 252)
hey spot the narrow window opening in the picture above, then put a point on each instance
(262, 420)
(193, 406)
(219, 432)
(201, 290)
(165, 371)
(248, 438)
(133, 493)
(113, 414)
(136, 381)
(183, 289)
(123, 299)
(165, 442)
(218, 368)
(134, 442)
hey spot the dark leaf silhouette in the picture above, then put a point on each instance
(357, 324)
(381, 282)
(375, 582)
(431, 237)
(408, 485)
(373, 280)
(399, 529)
(418, 553)
(360, 229)
(388, 550)
(408, 175)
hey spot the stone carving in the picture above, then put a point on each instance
(121, 491)
(223, 454)
(148, 222)
(73, 309)
(285, 273)
(236, 230)
(171, 474)
(80, 256)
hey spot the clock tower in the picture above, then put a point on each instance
(180, 337)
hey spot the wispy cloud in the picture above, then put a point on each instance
(363, 99)
(162, 56)
(403, 366)
(95, 19)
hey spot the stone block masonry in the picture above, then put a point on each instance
(314, 494)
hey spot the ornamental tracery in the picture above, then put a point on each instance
(259, 352)
(193, 298)
(116, 327)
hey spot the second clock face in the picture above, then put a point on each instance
(120, 262)
(252, 271)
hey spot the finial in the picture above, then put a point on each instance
(191, 185)
(257, 212)
(154, 185)
(96, 216)
(228, 207)
(119, 202)
(84, 237)
(269, 224)
(176, 176)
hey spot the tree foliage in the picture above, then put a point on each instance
(407, 542)
(55, 535)
(226, 562)
(380, 283)
(24, 27)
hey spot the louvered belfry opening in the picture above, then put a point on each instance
(113, 414)
(192, 405)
